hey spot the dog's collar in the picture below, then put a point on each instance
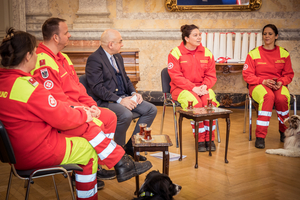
(146, 194)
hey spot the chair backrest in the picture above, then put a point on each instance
(165, 81)
(83, 81)
(6, 151)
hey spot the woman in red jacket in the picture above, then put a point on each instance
(192, 70)
(268, 70)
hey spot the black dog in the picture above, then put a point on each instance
(158, 186)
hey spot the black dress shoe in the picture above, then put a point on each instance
(126, 168)
(213, 146)
(282, 136)
(201, 147)
(260, 143)
(100, 184)
(104, 174)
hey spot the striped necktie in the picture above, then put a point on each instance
(114, 63)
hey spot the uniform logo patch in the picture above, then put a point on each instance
(48, 84)
(170, 65)
(279, 61)
(52, 101)
(33, 82)
(42, 62)
(44, 73)
(245, 67)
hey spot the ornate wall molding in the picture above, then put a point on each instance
(37, 12)
(170, 34)
(92, 14)
(162, 34)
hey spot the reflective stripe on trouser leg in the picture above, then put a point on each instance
(212, 96)
(206, 127)
(183, 98)
(108, 151)
(264, 96)
(102, 126)
(109, 120)
(282, 104)
(79, 151)
(201, 131)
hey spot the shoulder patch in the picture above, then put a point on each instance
(33, 82)
(44, 72)
(23, 88)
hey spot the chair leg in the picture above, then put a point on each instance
(162, 119)
(295, 104)
(250, 118)
(71, 186)
(55, 188)
(245, 113)
(175, 124)
(9, 183)
(28, 188)
(218, 131)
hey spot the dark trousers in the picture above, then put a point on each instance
(146, 112)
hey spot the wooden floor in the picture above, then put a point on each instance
(250, 173)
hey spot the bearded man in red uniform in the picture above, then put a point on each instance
(55, 71)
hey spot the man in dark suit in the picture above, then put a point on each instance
(110, 87)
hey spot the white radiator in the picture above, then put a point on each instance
(221, 45)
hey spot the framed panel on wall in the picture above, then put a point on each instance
(212, 5)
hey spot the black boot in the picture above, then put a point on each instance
(126, 168)
(201, 147)
(260, 143)
(213, 146)
(282, 136)
(104, 174)
(129, 150)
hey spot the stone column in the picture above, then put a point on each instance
(17, 8)
(37, 11)
(92, 14)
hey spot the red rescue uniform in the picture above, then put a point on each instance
(57, 74)
(273, 64)
(33, 118)
(189, 69)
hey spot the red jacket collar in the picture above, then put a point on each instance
(14, 71)
(44, 49)
(186, 51)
